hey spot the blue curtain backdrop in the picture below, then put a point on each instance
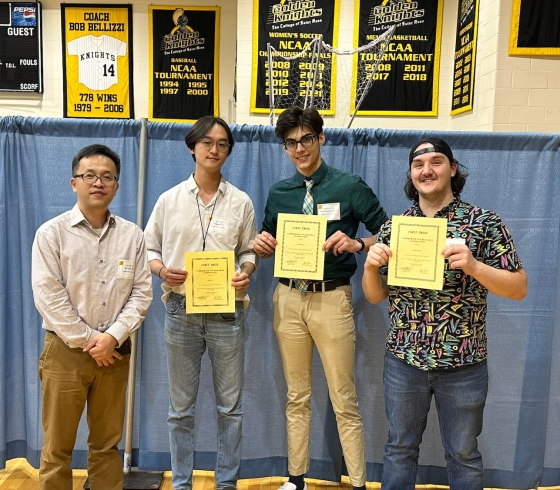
(516, 175)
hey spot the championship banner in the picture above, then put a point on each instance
(407, 76)
(289, 26)
(21, 53)
(465, 56)
(97, 58)
(184, 56)
(535, 28)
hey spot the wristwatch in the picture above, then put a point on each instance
(361, 242)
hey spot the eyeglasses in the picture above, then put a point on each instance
(91, 179)
(307, 142)
(208, 144)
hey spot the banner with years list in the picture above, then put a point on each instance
(407, 76)
(97, 57)
(289, 26)
(184, 43)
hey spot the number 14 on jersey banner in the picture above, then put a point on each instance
(97, 44)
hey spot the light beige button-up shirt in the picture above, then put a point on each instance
(175, 227)
(85, 283)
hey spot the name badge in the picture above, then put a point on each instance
(454, 241)
(331, 210)
(126, 269)
(218, 225)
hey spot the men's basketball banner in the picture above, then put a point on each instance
(407, 76)
(465, 56)
(21, 54)
(535, 28)
(289, 26)
(184, 47)
(97, 57)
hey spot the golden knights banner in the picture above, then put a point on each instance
(535, 28)
(184, 43)
(407, 77)
(97, 58)
(289, 26)
(465, 56)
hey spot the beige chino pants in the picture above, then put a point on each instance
(70, 378)
(326, 320)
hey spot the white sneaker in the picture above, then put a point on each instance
(290, 486)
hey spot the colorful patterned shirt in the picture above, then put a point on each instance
(445, 329)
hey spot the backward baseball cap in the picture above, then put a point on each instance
(438, 145)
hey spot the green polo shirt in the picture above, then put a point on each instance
(357, 202)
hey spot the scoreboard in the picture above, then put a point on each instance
(21, 57)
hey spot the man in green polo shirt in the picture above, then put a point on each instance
(319, 312)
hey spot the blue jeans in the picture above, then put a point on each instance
(187, 337)
(460, 395)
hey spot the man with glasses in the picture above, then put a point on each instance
(203, 213)
(92, 286)
(319, 312)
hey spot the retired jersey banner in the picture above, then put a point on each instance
(21, 54)
(465, 56)
(289, 26)
(97, 57)
(184, 43)
(535, 28)
(407, 76)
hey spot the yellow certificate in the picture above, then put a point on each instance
(299, 253)
(208, 284)
(416, 244)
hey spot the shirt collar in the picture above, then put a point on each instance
(317, 176)
(193, 188)
(77, 217)
(450, 208)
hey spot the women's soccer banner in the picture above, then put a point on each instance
(184, 43)
(289, 26)
(405, 81)
(535, 28)
(97, 56)
(465, 56)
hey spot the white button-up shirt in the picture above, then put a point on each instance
(85, 283)
(175, 227)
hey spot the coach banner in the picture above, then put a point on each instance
(465, 56)
(184, 44)
(289, 26)
(97, 57)
(407, 76)
(21, 54)
(535, 28)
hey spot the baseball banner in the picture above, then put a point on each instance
(184, 46)
(21, 53)
(97, 57)
(534, 28)
(407, 76)
(289, 26)
(465, 56)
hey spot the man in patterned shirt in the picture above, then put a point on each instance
(437, 339)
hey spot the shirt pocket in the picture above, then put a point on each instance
(227, 231)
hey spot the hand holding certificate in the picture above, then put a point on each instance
(299, 253)
(208, 284)
(416, 244)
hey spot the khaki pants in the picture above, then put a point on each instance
(70, 378)
(326, 320)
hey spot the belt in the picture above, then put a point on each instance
(124, 349)
(318, 286)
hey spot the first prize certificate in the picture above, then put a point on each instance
(416, 244)
(208, 284)
(299, 253)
